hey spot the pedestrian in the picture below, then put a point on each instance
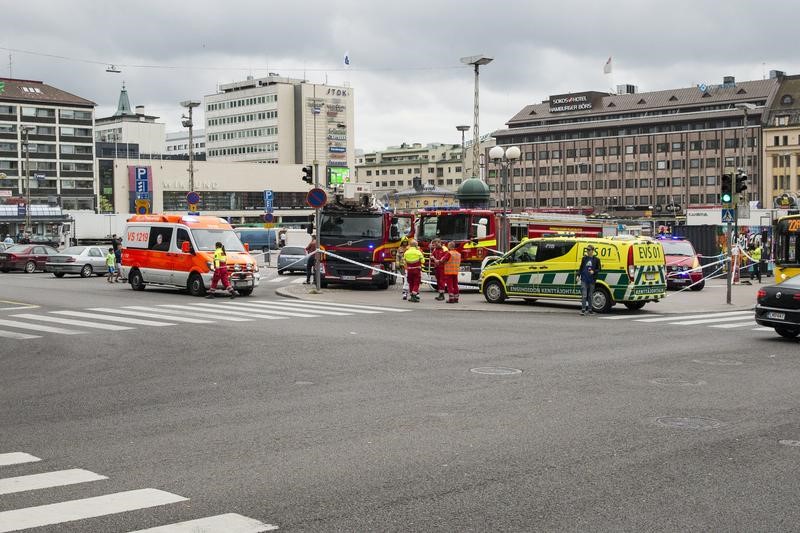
(590, 266)
(282, 238)
(439, 256)
(118, 260)
(110, 259)
(451, 269)
(8, 239)
(736, 257)
(400, 264)
(415, 259)
(756, 254)
(311, 263)
(220, 272)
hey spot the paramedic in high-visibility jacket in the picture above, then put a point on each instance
(220, 272)
(451, 268)
(414, 261)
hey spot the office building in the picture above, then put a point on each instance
(281, 120)
(635, 153)
(781, 146)
(133, 132)
(176, 144)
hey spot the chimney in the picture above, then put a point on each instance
(729, 81)
(140, 110)
(627, 88)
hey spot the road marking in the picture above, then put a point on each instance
(56, 513)
(707, 321)
(731, 326)
(626, 317)
(16, 305)
(762, 329)
(278, 306)
(70, 322)
(224, 523)
(193, 311)
(299, 280)
(315, 308)
(38, 327)
(18, 336)
(354, 306)
(16, 458)
(277, 280)
(261, 309)
(132, 312)
(59, 478)
(688, 317)
(125, 320)
(241, 312)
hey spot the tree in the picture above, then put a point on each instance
(105, 205)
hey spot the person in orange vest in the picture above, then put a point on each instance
(451, 268)
(439, 257)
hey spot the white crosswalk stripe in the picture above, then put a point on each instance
(690, 317)
(298, 280)
(116, 503)
(18, 336)
(125, 320)
(71, 322)
(146, 314)
(238, 312)
(725, 320)
(224, 523)
(38, 327)
(627, 317)
(736, 325)
(16, 458)
(279, 308)
(46, 480)
(358, 306)
(311, 306)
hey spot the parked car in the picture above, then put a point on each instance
(4, 247)
(82, 260)
(258, 238)
(291, 259)
(683, 264)
(778, 307)
(26, 257)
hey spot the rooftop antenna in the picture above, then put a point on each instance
(10, 66)
(113, 69)
(763, 70)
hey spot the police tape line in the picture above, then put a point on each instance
(370, 267)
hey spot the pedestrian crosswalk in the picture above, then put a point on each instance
(33, 325)
(726, 320)
(116, 503)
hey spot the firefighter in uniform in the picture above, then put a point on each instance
(451, 268)
(439, 256)
(414, 261)
(220, 272)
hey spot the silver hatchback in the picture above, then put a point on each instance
(82, 260)
(292, 258)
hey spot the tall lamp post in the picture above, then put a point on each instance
(463, 129)
(476, 61)
(187, 123)
(505, 160)
(25, 132)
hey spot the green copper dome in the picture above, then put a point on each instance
(473, 193)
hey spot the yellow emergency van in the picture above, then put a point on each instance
(632, 271)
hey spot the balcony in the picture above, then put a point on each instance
(75, 122)
(8, 118)
(13, 155)
(75, 139)
(37, 137)
(77, 174)
(38, 120)
(40, 155)
(74, 157)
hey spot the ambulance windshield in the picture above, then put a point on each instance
(207, 238)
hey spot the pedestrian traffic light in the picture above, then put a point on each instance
(308, 174)
(727, 189)
(741, 182)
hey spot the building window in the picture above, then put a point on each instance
(662, 148)
(599, 168)
(543, 171)
(599, 184)
(613, 167)
(584, 152)
(630, 183)
(645, 182)
(677, 163)
(555, 154)
(529, 171)
(694, 198)
(431, 170)
(645, 149)
(661, 165)
(661, 182)
(677, 147)
(555, 171)
(543, 154)
(712, 198)
(677, 182)
(731, 143)
(391, 172)
(644, 165)
(630, 166)
(630, 149)
(785, 140)
(694, 181)
(571, 152)
(695, 145)
(712, 144)
(613, 150)
(711, 180)
(599, 152)
(694, 163)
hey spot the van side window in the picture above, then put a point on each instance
(159, 239)
(552, 250)
(181, 237)
(525, 253)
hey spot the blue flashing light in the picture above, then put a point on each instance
(371, 246)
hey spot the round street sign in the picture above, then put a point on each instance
(316, 198)
(192, 198)
(268, 217)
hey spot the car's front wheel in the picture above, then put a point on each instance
(699, 286)
(787, 332)
(494, 292)
(601, 300)
(58, 274)
(30, 267)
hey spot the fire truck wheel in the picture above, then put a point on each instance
(493, 292)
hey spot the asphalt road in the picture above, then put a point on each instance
(377, 421)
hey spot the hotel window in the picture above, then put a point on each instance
(661, 199)
(712, 144)
(630, 200)
(571, 185)
(613, 150)
(677, 163)
(662, 147)
(599, 168)
(613, 167)
(571, 152)
(694, 163)
(555, 154)
(543, 171)
(694, 181)
(630, 184)
(571, 169)
(599, 184)
(731, 143)
(556, 170)
(751, 142)
(630, 149)
(730, 162)
(711, 162)
(584, 152)
(584, 185)
(600, 152)
(517, 172)
(645, 182)
(711, 198)
(630, 166)
(529, 171)
(661, 182)
(613, 184)
(644, 165)
(677, 147)
(661, 165)
(645, 149)
(677, 182)
(695, 145)
(694, 198)
(528, 156)
(583, 168)
(543, 154)
(711, 180)
(644, 200)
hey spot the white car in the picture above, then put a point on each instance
(82, 260)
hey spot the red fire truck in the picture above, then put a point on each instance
(358, 230)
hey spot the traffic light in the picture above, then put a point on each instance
(308, 174)
(727, 189)
(310, 227)
(741, 182)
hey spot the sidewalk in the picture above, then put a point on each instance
(710, 300)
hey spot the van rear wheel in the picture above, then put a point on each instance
(195, 285)
(136, 280)
(601, 300)
(634, 305)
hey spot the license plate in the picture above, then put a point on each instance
(776, 316)
(649, 277)
(348, 278)
(3, 257)
(465, 268)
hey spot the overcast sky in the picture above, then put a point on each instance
(405, 71)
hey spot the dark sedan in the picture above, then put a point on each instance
(779, 307)
(25, 257)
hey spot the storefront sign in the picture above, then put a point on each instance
(336, 92)
(338, 149)
(570, 102)
(703, 217)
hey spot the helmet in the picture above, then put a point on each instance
(404, 240)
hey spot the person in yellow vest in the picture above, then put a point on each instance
(756, 254)
(414, 260)
(451, 268)
(220, 272)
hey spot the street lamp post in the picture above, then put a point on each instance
(187, 123)
(463, 129)
(476, 61)
(25, 131)
(505, 160)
